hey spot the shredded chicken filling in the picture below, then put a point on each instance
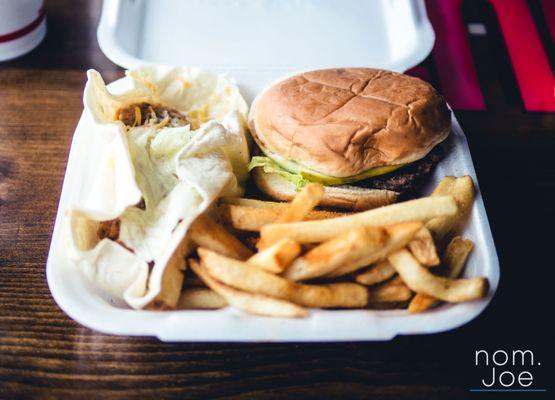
(141, 114)
(108, 229)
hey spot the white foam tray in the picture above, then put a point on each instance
(82, 302)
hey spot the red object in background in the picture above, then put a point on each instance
(548, 7)
(529, 59)
(420, 72)
(455, 68)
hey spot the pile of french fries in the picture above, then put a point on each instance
(307, 258)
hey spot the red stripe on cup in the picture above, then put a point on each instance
(8, 37)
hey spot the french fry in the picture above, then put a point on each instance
(172, 281)
(421, 280)
(423, 248)
(245, 277)
(303, 203)
(248, 302)
(455, 257)
(277, 257)
(319, 231)
(200, 298)
(205, 232)
(172, 278)
(395, 241)
(377, 273)
(445, 186)
(396, 280)
(82, 232)
(348, 248)
(351, 251)
(462, 190)
(464, 193)
(389, 293)
(248, 218)
(398, 236)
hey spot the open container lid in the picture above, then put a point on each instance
(259, 41)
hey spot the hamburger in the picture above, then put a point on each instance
(369, 136)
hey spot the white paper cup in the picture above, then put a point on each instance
(22, 27)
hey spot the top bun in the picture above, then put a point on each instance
(342, 122)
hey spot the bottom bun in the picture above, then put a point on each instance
(351, 198)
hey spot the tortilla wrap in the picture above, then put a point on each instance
(154, 179)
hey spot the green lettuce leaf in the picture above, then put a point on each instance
(270, 167)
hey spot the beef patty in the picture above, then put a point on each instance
(409, 179)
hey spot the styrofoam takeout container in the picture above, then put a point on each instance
(128, 31)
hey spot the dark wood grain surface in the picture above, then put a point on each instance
(44, 354)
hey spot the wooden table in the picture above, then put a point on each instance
(45, 354)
